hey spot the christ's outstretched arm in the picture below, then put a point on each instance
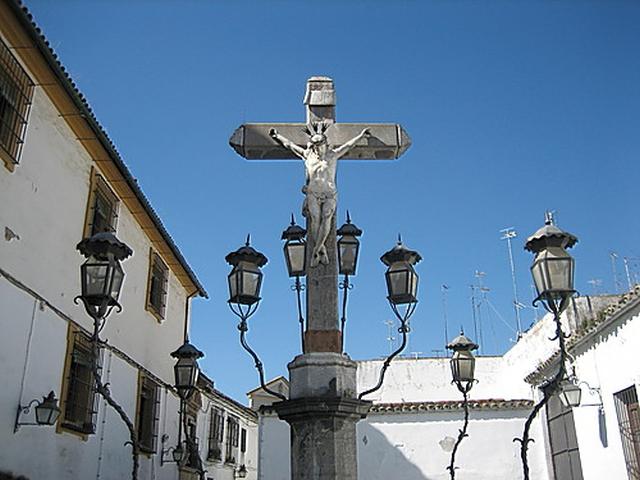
(343, 149)
(286, 143)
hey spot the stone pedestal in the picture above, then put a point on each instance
(323, 436)
(323, 411)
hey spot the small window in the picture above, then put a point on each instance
(157, 288)
(80, 399)
(148, 414)
(629, 422)
(102, 211)
(233, 432)
(243, 441)
(16, 93)
(216, 434)
(193, 457)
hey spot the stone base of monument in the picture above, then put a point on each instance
(322, 374)
(323, 436)
(322, 412)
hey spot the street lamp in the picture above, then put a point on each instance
(295, 255)
(101, 275)
(241, 472)
(245, 281)
(46, 412)
(553, 273)
(463, 365)
(402, 293)
(570, 393)
(186, 370)
(348, 249)
(295, 249)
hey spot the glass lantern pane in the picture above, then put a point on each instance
(413, 283)
(463, 366)
(560, 274)
(296, 253)
(186, 373)
(348, 252)
(397, 282)
(250, 284)
(233, 283)
(116, 282)
(95, 277)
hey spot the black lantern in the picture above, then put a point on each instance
(553, 267)
(463, 363)
(348, 247)
(186, 369)
(178, 453)
(241, 472)
(295, 249)
(570, 394)
(47, 412)
(402, 279)
(245, 278)
(101, 274)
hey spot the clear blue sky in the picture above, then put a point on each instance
(513, 108)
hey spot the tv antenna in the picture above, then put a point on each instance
(596, 285)
(390, 337)
(509, 234)
(616, 281)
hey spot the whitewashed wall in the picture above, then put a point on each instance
(608, 361)
(43, 202)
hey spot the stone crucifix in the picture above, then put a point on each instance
(320, 142)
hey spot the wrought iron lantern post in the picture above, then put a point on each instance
(101, 278)
(245, 282)
(348, 250)
(463, 376)
(402, 289)
(295, 254)
(553, 273)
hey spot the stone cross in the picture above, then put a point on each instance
(382, 141)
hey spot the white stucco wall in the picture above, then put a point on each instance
(609, 361)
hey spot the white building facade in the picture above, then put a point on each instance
(61, 180)
(417, 414)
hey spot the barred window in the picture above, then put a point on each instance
(629, 422)
(243, 440)
(80, 399)
(233, 432)
(216, 434)
(148, 414)
(16, 93)
(102, 212)
(157, 287)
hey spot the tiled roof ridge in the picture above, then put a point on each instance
(26, 17)
(589, 328)
(439, 406)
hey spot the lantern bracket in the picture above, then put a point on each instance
(101, 312)
(243, 327)
(299, 287)
(345, 285)
(26, 409)
(404, 329)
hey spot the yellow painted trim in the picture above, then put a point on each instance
(7, 161)
(43, 76)
(71, 332)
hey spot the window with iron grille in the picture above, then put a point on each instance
(16, 93)
(233, 432)
(563, 441)
(629, 422)
(102, 211)
(157, 288)
(80, 399)
(148, 413)
(216, 434)
(243, 440)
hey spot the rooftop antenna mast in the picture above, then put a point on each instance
(616, 281)
(390, 338)
(483, 299)
(509, 234)
(630, 281)
(445, 289)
